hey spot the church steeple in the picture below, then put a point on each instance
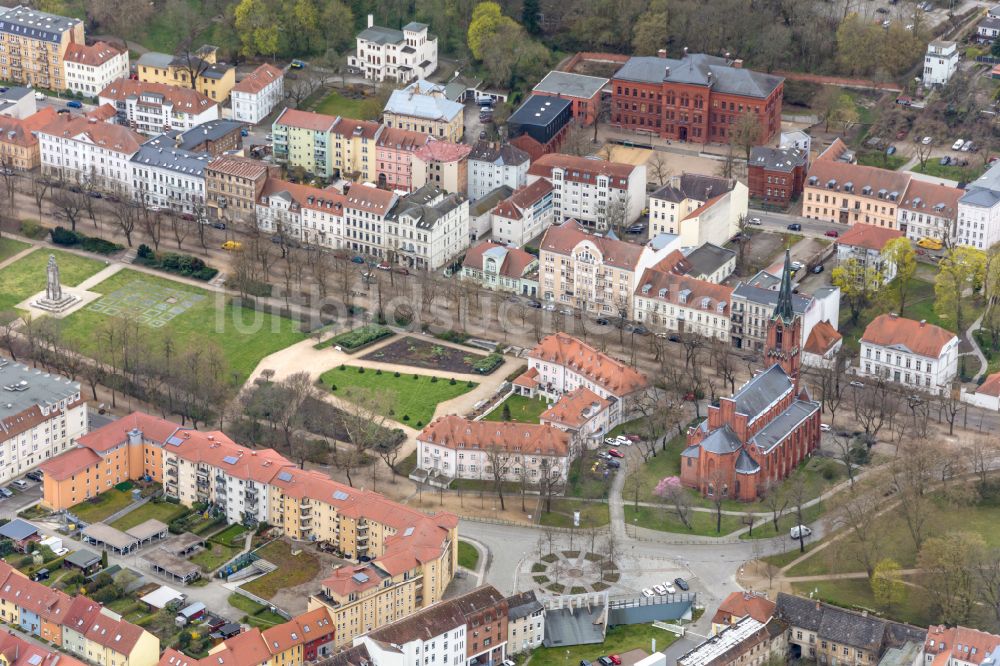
(784, 307)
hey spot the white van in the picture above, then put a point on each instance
(800, 532)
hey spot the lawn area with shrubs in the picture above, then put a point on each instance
(179, 264)
(357, 338)
(69, 238)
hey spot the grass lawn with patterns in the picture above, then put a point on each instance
(244, 336)
(522, 409)
(26, 276)
(400, 397)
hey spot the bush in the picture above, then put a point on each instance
(452, 382)
(488, 364)
(378, 372)
(333, 387)
(420, 424)
(343, 367)
(361, 370)
(69, 238)
(33, 229)
(433, 379)
(396, 374)
(406, 417)
(63, 236)
(179, 264)
(145, 252)
(360, 337)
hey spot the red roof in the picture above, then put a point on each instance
(369, 199)
(21, 131)
(741, 604)
(183, 99)
(318, 122)
(152, 428)
(919, 337)
(93, 56)
(443, 151)
(515, 261)
(564, 238)
(610, 374)
(259, 79)
(991, 386)
(575, 408)
(868, 236)
(523, 198)
(822, 339)
(65, 465)
(581, 169)
(455, 432)
(111, 136)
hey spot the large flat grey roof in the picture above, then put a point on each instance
(570, 84)
(22, 388)
(708, 258)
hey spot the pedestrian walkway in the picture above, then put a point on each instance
(976, 351)
(20, 255)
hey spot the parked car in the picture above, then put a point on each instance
(615, 453)
(535, 304)
(958, 144)
(648, 593)
(34, 475)
(384, 266)
(6, 492)
(968, 146)
(817, 269)
(891, 150)
(218, 225)
(232, 245)
(297, 64)
(825, 427)
(796, 265)
(74, 104)
(755, 221)
(832, 233)
(674, 338)
(616, 660)
(21, 484)
(901, 134)
(402, 271)
(357, 259)
(601, 321)
(39, 96)
(857, 384)
(660, 590)
(622, 440)
(795, 226)
(605, 661)
(799, 532)
(670, 588)
(613, 464)
(636, 228)
(244, 132)
(944, 161)
(682, 584)
(926, 140)
(610, 441)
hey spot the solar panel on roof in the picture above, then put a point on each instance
(284, 476)
(360, 578)
(175, 440)
(35, 659)
(230, 460)
(340, 495)
(408, 531)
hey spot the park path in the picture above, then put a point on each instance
(20, 255)
(976, 351)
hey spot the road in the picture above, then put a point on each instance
(778, 222)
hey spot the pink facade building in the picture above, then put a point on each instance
(394, 157)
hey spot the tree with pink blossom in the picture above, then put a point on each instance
(672, 491)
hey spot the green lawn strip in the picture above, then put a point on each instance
(357, 338)
(245, 336)
(232, 535)
(584, 483)
(26, 276)
(785, 523)
(856, 594)
(780, 560)
(102, 506)
(665, 520)
(619, 639)
(592, 514)
(165, 512)
(291, 571)
(335, 104)
(245, 604)
(522, 409)
(9, 247)
(214, 556)
(401, 396)
(961, 174)
(878, 158)
(468, 556)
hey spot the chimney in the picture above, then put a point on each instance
(923, 322)
(371, 20)
(662, 53)
(738, 63)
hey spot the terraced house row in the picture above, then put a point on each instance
(77, 625)
(404, 558)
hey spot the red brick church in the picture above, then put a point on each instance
(766, 428)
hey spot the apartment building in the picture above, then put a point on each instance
(978, 222)
(864, 244)
(423, 107)
(442, 164)
(467, 630)
(83, 628)
(929, 210)
(233, 185)
(19, 147)
(33, 44)
(583, 414)
(452, 447)
(754, 302)
(19, 652)
(394, 152)
(428, 229)
(153, 108)
(214, 137)
(747, 642)
(940, 62)
(560, 364)
(698, 208)
(593, 272)
(499, 268)
(914, 353)
(365, 211)
(832, 635)
(667, 302)
(493, 165)
(212, 78)
(41, 415)
(776, 175)
(354, 149)
(83, 149)
(837, 191)
(698, 98)
(958, 646)
(302, 139)
(91, 69)
(257, 94)
(596, 193)
(168, 178)
(301, 212)
(396, 55)
(526, 213)
(525, 622)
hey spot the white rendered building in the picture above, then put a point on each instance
(427, 229)
(929, 210)
(301, 212)
(86, 150)
(90, 69)
(978, 222)
(154, 108)
(257, 94)
(396, 55)
(365, 210)
(700, 209)
(525, 623)
(41, 415)
(492, 166)
(170, 178)
(524, 215)
(914, 353)
(940, 62)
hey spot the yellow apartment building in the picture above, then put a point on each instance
(213, 79)
(32, 46)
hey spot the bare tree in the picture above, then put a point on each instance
(152, 224)
(125, 215)
(659, 167)
(40, 186)
(550, 484)
(498, 462)
(844, 445)
(776, 500)
(180, 228)
(857, 513)
(69, 205)
(364, 421)
(799, 492)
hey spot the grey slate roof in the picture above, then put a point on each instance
(18, 529)
(154, 59)
(758, 393)
(777, 159)
(980, 197)
(83, 558)
(160, 152)
(845, 627)
(708, 258)
(571, 85)
(381, 35)
(988, 181)
(769, 297)
(34, 387)
(411, 101)
(487, 203)
(213, 130)
(745, 464)
(722, 440)
(414, 26)
(694, 69)
(506, 154)
(34, 24)
(784, 423)
(693, 186)
(522, 605)
(418, 205)
(691, 452)
(990, 23)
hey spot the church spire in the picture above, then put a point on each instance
(784, 307)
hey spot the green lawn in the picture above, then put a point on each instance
(245, 336)
(404, 399)
(619, 639)
(162, 511)
(592, 514)
(232, 535)
(960, 174)
(785, 523)
(26, 276)
(291, 571)
(468, 556)
(666, 520)
(335, 104)
(102, 506)
(585, 483)
(9, 247)
(878, 158)
(522, 409)
(214, 556)
(257, 614)
(857, 594)
(784, 559)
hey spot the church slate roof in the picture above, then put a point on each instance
(723, 440)
(745, 464)
(757, 394)
(784, 423)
